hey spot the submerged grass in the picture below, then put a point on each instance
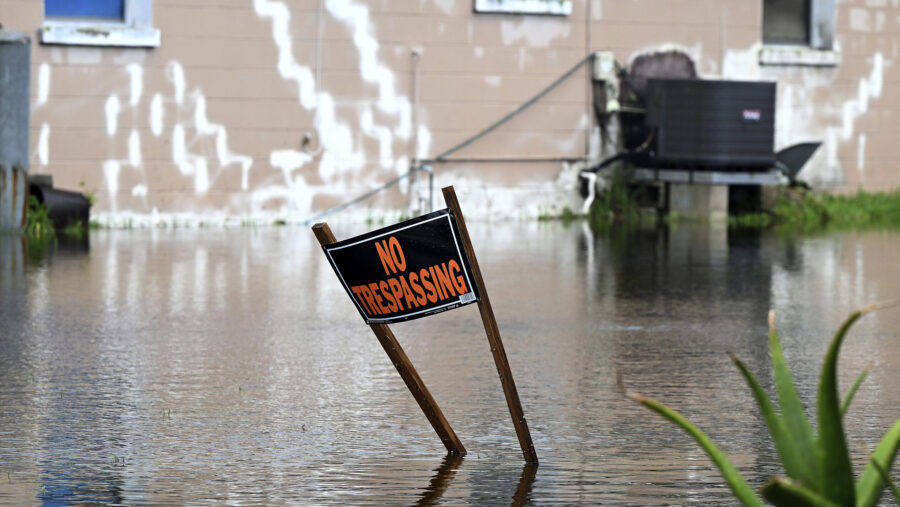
(566, 216)
(794, 210)
(75, 230)
(38, 224)
(800, 209)
(617, 205)
(40, 236)
(817, 462)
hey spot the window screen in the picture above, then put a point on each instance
(786, 21)
(114, 9)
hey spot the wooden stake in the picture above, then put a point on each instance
(493, 334)
(406, 369)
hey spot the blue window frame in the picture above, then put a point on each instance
(108, 9)
(124, 23)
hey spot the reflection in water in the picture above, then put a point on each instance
(522, 495)
(12, 263)
(438, 485)
(228, 366)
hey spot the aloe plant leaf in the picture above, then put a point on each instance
(886, 477)
(795, 463)
(837, 471)
(792, 411)
(733, 478)
(871, 483)
(783, 491)
(848, 398)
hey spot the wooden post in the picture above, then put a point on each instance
(406, 369)
(493, 334)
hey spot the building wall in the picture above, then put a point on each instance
(209, 125)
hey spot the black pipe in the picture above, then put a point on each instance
(63, 206)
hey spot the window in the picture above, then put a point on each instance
(99, 23)
(798, 32)
(113, 9)
(786, 22)
(557, 7)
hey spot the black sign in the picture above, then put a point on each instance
(405, 271)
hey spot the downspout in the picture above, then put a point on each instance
(588, 90)
(306, 140)
(414, 57)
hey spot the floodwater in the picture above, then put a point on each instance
(228, 366)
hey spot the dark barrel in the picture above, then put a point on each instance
(64, 207)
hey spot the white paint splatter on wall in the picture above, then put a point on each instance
(43, 83)
(225, 156)
(112, 108)
(535, 31)
(134, 148)
(136, 74)
(44, 144)
(175, 74)
(192, 130)
(799, 118)
(861, 153)
(43, 94)
(111, 170)
(869, 87)
(156, 115)
(342, 158)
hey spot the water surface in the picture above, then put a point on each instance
(228, 366)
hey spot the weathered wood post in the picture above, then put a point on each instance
(493, 334)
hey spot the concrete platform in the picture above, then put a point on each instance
(771, 177)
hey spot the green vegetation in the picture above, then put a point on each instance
(91, 197)
(39, 232)
(618, 205)
(75, 230)
(566, 216)
(38, 224)
(800, 209)
(751, 220)
(817, 462)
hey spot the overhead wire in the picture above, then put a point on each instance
(487, 130)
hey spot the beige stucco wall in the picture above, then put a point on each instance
(208, 126)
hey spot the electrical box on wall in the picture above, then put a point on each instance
(606, 82)
(712, 124)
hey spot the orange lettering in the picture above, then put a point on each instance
(358, 290)
(414, 283)
(386, 292)
(437, 285)
(386, 260)
(391, 255)
(373, 298)
(397, 253)
(397, 291)
(410, 299)
(443, 279)
(426, 281)
(458, 282)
